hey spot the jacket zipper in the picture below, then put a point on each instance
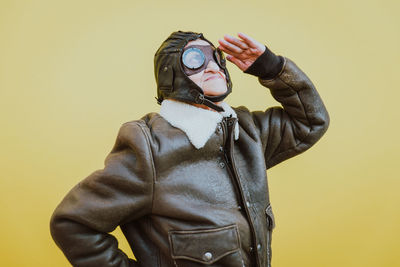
(231, 163)
(228, 163)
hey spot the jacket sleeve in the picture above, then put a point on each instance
(301, 121)
(119, 193)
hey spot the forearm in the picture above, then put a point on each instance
(301, 121)
(300, 100)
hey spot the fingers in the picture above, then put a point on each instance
(235, 46)
(236, 41)
(226, 51)
(229, 47)
(250, 41)
(241, 52)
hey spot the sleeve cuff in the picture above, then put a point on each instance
(266, 66)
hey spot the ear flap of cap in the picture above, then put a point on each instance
(166, 79)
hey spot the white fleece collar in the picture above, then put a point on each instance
(199, 124)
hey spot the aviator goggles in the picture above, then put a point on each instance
(195, 58)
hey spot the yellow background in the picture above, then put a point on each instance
(71, 72)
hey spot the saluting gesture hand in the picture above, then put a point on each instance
(241, 52)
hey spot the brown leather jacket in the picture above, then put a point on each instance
(181, 206)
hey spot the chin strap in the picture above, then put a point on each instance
(199, 98)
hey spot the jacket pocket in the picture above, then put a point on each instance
(206, 247)
(270, 226)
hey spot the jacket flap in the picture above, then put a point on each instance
(204, 246)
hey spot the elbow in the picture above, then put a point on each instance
(311, 133)
(325, 121)
(61, 229)
(55, 228)
(319, 128)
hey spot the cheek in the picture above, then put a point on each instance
(196, 78)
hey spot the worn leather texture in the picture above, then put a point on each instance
(182, 206)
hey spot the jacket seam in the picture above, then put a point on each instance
(305, 112)
(290, 149)
(296, 91)
(147, 138)
(286, 151)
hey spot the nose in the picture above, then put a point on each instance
(212, 66)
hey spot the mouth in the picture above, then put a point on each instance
(215, 76)
(212, 77)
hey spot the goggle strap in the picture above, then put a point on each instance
(217, 98)
(210, 104)
(199, 98)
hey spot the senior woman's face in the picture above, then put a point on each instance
(212, 79)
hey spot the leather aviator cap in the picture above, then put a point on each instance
(172, 82)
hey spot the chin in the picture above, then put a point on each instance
(216, 88)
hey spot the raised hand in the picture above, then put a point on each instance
(241, 52)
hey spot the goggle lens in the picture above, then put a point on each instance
(193, 58)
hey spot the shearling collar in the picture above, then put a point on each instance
(199, 124)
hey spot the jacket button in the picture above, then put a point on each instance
(222, 165)
(207, 256)
(259, 246)
(219, 129)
